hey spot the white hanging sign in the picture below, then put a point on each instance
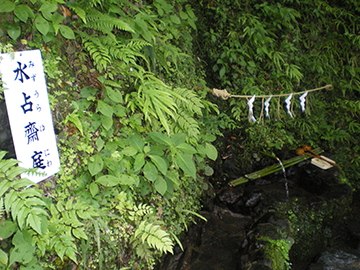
(251, 112)
(266, 107)
(29, 113)
(287, 104)
(302, 99)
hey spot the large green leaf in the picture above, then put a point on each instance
(141, 27)
(150, 171)
(71, 253)
(94, 189)
(114, 95)
(175, 19)
(4, 186)
(48, 7)
(6, 6)
(21, 12)
(160, 185)
(9, 199)
(129, 151)
(79, 233)
(174, 177)
(186, 163)
(137, 142)
(66, 32)
(211, 151)
(23, 182)
(6, 164)
(186, 148)
(35, 222)
(106, 121)
(160, 138)
(139, 162)
(178, 138)
(7, 229)
(126, 180)
(15, 207)
(13, 30)
(24, 211)
(160, 163)
(3, 257)
(96, 164)
(23, 251)
(41, 25)
(88, 92)
(105, 109)
(74, 118)
(108, 180)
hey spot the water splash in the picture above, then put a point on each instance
(284, 172)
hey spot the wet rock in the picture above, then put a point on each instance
(230, 195)
(338, 192)
(212, 244)
(315, 180)
(354, 227)
(254, 199)
(337, 259)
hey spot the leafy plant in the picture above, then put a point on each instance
(45, 17)
(128, 127)
(31, 223)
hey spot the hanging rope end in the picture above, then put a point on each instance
(220, 93)
(329, 87)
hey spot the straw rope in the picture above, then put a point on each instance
(225, 95)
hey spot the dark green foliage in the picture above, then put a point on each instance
(284, 47)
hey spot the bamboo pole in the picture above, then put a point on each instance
(272, 169)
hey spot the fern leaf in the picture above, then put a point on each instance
(192, 102)
(106, 23)
(154, 236)
(98, 52)
(2, 209)
(187, 124)
(137, 44)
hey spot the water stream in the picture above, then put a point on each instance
(284, 172)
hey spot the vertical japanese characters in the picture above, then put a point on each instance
(29, 112)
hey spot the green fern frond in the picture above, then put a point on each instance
(25, 205)
(192, 101)
(157, 101)
(140, 211)
(98, 52)
(2, 208)
(137, 44)
(186, 123)
(154, 236)
(106, 23)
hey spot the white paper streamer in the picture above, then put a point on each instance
(302, 99)
(250, 104)
(288, 103)
(266, 107)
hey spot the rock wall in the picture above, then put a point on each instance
(6, 143)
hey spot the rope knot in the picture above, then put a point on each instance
(221, 93)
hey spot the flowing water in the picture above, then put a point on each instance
(284, 172)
